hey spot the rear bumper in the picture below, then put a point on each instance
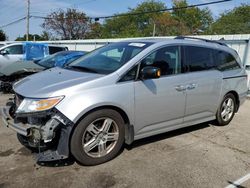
(248, 94)
(243, 97)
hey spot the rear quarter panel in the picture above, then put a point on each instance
(235, 80)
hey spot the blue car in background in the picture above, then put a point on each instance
(60, 59)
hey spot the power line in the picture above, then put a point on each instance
(38, 12)
(13, 22)
(162, 10)
(146, 12)
(44, 17)
(125, 14)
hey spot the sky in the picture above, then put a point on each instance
(11, 10)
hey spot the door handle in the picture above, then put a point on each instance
(191, 86)
(180, 88)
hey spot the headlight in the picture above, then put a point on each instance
(37, 105)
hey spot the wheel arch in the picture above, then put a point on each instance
(129, 129)
(236, 95)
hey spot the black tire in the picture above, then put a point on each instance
(219, 119)
(76, 145)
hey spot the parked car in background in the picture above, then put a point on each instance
(123, 92)
(60, 59)
(4, 43)
(16, 61)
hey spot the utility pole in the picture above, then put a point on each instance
(154, 30)
(28, 20)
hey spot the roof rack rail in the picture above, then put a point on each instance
(206, 40)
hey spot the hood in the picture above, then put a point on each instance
(20, 68)
(44, 84)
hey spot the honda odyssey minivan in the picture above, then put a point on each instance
(123, 92)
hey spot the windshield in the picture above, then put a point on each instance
(48, 61)
(109, 58)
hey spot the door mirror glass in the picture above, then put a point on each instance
(150, 72)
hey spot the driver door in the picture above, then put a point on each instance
(160, 103)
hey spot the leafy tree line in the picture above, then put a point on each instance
(43, 37)
(74, 24)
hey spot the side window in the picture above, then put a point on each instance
(130, 75)
(14, 50)
(198, 58)
(225, 61)
(167, 59)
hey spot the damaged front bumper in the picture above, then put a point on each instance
(50, 128)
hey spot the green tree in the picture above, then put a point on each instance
(3, 36)
(177, 22)
(45, 35)
(236, 21)
(167, 25)
(140, 25)
(95, 31)
(69, 24)
(196, 19)
(34, 37)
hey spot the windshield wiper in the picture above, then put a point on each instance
(85, 69)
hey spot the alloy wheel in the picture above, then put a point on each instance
(100, 137)
(227, 110)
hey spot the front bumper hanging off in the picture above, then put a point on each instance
(54, 132)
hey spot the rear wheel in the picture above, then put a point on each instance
(226, 110)
(98, 138)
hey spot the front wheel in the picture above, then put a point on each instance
(98, 137)
(226, 110)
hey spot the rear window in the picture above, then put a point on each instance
(225, 61)
(55, 49)
(198, 58)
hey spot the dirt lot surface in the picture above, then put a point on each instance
(199, 156)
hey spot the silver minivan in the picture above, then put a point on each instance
(123, 92)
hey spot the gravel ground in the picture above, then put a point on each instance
(199, 156)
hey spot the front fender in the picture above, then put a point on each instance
(77, 104)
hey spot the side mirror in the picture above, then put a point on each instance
(3, 52)
(150, 72)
